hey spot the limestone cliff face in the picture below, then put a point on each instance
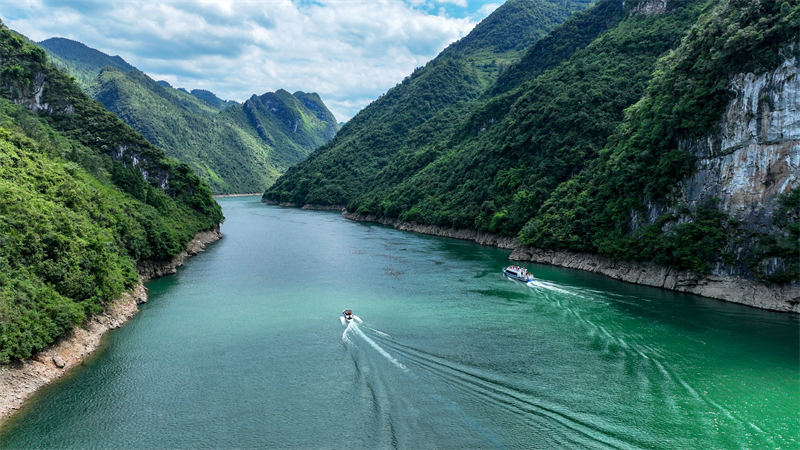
(35, 92)
(648, 7)
(745, 162)
(755, 155)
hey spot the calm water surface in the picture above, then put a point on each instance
(244, 347)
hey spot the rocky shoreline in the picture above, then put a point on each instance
(311, 206)
(726, 288)
(236, 195)
(720, 287)
(21, 379)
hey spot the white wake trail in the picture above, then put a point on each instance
(548, 286)
(353, 326)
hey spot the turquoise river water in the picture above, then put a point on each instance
(244, 347)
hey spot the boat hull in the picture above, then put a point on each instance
(516, 277)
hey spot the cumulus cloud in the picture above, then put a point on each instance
(487, 9)
(348, 51)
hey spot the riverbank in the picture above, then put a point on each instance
(310, 206)
(21, 379)
(725, 288)
(236, 195)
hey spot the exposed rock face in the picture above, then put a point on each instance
(36, 94)
(31, 96)
(155, 269)
(648, 7)
(732, 289)
(19, 380)
(756, 155)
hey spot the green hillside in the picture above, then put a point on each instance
(80, 61)
(342, 169)
(575, 139)
(85, 198)
(643, 161)
(515, 148)
(231, 148)
(212, 99)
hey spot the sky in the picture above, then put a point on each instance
(347, 51)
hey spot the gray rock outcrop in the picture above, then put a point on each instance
(755, 156)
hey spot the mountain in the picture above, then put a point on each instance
(211, 98)
(85, 200)
(703, 173)
(80, 61)
(234, 147)
(646, 130)
(433, 94)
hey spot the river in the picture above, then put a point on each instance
(243, 347)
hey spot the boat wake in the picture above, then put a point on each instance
(654, 368)
(547, 285)
(353, 328)
(496, 391)
(406, 409)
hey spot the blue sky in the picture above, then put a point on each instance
(348, 51)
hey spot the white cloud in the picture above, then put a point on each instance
(487, 9)
(348, 51)
(461, 3)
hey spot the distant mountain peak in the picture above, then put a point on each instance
(212, 99)
(82, 54)
(235, 147)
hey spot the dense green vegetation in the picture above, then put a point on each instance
(581, 29)
(80, 61)
(574, 140)
(212, 99)
(84, 199)
(344, 168)
(643, 161)
(516, 148)
(233, 147)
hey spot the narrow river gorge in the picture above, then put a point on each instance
(243, 347)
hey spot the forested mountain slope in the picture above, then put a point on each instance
(641, 130)
(703, 174)
(234, 147)
(504, 160)
(80, 61)
(427, 100)
(84, 199)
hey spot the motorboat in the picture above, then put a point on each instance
(348, 314)
(518, 274)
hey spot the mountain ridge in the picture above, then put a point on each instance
(590, 142)
(234, 153)
(85, 200)
(336, 172)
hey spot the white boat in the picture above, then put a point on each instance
(348, 316)
(518, 274)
